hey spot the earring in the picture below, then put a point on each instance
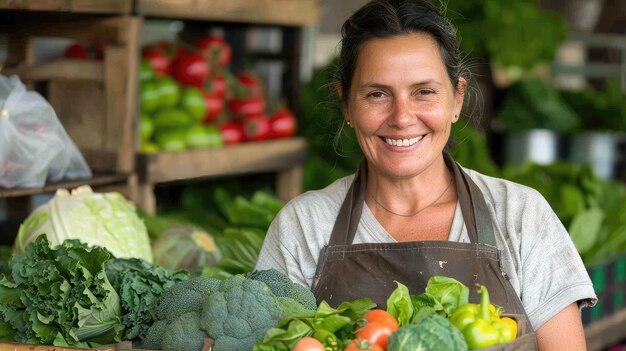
(456, 117)
(347, 122)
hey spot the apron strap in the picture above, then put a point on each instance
(473, 207)
(350, 212)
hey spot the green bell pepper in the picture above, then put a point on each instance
(480, 326)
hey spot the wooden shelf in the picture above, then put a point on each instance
(606, 332)
(64, 69)
(253, 157)
(285, 157)
(96, 180)
(279, 12)
(78, 6)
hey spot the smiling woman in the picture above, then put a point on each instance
(410, 206)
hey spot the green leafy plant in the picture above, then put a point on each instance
(534, 104)
(599, 109)
(516, 35)
(592, 209)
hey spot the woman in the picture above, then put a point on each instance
(411, 212)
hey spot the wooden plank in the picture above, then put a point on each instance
(59, 70)
(96, 180)
(110, 30)
(279, 12)
(78, 6)
(122, 91)
(289, 183)
(254, 157)
(606, 332)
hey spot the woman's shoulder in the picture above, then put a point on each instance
(327, 199)
(500, 190)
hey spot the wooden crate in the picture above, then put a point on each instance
(278, 12)
(12, 346)
(285, 157)
(96, 101)
(77, 6)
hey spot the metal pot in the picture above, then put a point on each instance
(534, 145)
(597, 149)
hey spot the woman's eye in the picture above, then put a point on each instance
(425, 92)
(376, 94)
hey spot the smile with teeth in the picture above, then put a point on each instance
(403, 142)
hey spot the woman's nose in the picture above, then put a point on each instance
(403, 113)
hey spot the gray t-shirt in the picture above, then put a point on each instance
(536, 251)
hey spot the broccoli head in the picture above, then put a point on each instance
(154, 336)
(280, 284)
(239, 314)
(184, 333)
(185, 296)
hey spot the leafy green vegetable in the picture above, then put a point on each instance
(66, 298)
(533, 104)
(584, 229)
(507, 24)
(592, 209)
(449, 292)
(399, 304)
(96, 219)
(333, 326)
(139, 285)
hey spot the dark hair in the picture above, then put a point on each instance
(389, 18)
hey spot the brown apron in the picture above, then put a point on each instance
(347, 271)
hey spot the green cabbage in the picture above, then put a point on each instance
(96, 219)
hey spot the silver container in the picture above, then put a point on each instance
(535, 145)
(597, 149)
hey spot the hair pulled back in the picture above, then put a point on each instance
(389, 18)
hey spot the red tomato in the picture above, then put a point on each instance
(382, 317)
(362, 345)
(257, 128)
(215, 50)
(283, 124)
(380, 325)
(159, 62)
(190, 69)
(247, 107)
(250, 83)
(232, 132)
(308, 344)
(216, 85)
(214, 104)
(76, 51)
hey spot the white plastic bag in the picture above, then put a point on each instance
(34, 146)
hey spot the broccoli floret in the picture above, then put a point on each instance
(185, 296)
(239, 314)
(184, 333)
(280, 284)
(154, 336)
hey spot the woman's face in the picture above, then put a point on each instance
(402, 104)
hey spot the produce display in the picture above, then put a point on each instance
(190, 100)
(438, 319)
(72, 293)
